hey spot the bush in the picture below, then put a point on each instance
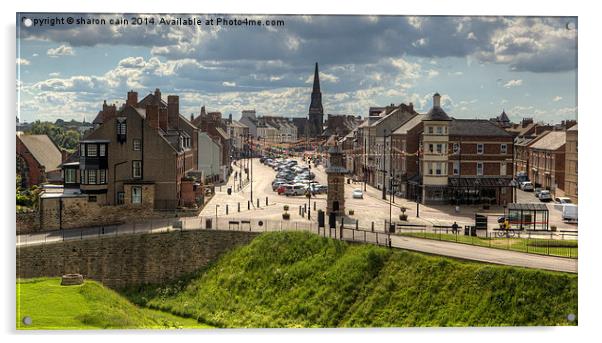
(24, 200)
(351, 212)
(286, 216)
(403, 217)
(286, 207)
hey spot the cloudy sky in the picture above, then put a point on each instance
(481, 65)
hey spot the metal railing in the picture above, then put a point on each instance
(563, 244)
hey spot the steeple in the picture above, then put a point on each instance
(316, 80)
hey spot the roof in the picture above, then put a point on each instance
(43, 150)
(436, 113)
(223, 133)
(236, 123)
(480, 182)
(528, 207)
(476, 127)
(573, 128)
(553, 140)
(503, 117)
(408, 125)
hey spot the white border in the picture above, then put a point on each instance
(589, 81)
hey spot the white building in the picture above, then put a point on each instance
(210, 158)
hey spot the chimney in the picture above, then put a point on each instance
(152, 116)
(132, 98)
(230, 118)
(436, 100)
(163, 118)
(173, 111)
(157, 93)
(108, 112)
(191, 117)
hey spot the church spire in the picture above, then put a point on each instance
(316, 80)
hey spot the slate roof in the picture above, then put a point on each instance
(553, 140)
(476, 127)
(408, 125)
(436, 113)
(43, 150)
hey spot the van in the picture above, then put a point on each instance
(569, 213)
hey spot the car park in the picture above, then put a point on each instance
(357, 194)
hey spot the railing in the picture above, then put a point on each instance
(563, 244)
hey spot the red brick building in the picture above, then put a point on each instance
(547, 161)
(38, 160)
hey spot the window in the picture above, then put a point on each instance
(82, 149)
(430, 148)
(102, 150)
(439, 130)
(438, 168)
(136, 195)
(479, 168)
(92, 198)
(121, 127)
(92, 152)
(430, 168)
(70, 175)
(102, 176)
(430, 129)
(503, 148)
(439, 148)
(120, 198)
(503, 168)
(456, 167)
(137, 169)
(137, 144)
(456, 148)
(91, 176)
(480, 148)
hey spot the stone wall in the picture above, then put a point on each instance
(27, 222)
(130, 259)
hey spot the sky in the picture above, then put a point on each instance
(526, 66)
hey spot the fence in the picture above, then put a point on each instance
(563, 244)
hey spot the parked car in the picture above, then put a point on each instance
(277, 185)
(282, 188)
(296, 189)
(536, 191)
(563, 200)
(544, 195)
(358, 194)
(526, 186)
(569, 213)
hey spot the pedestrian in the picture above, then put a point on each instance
(455, 227)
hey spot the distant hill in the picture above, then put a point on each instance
(294, 279)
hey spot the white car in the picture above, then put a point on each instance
(563, 200)
(357, 194)
(296, 189)
(527, 186)
(545, 195)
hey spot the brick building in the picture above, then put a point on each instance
(571, 164)
(138, 155)
(547, 161)
(38, 160)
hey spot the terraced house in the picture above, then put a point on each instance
(138, 155)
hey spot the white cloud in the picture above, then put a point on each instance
(228, 84)
(557, 98)
(22, 62)
(62, 50)
(432, 73)
(513, 83)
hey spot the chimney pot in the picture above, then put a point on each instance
(436, 100)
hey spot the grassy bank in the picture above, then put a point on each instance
(88, 306)
(295, 279)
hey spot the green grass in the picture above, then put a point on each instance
(88, 306)
(296, 279)
(562, 248)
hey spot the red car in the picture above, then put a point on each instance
(281, 189)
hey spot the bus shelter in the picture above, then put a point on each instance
(528, 216)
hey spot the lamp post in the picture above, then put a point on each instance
(383, 165)
(251, 169)
(308, 203)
